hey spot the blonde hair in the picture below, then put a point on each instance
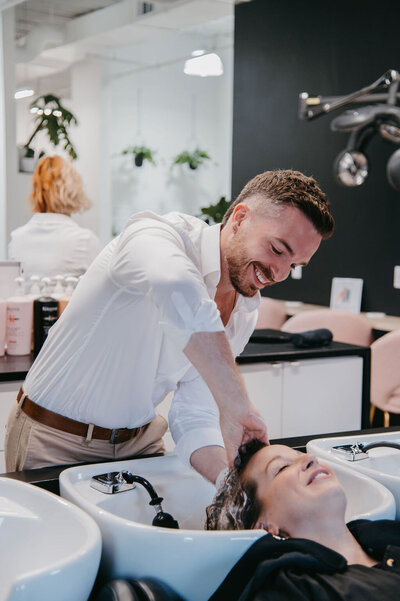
(57, 188)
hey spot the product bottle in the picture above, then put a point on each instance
(19, 321)
(3, 324)
(34, 291)
(71, 281)
(45, 314)
(58, 291)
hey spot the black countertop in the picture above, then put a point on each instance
(16, 368)
(258, 350)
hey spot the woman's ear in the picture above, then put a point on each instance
(272, 529)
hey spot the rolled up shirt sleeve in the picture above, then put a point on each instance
(194, 417)
(152, 260)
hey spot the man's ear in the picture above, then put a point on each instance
(240, 212)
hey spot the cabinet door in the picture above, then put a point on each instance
(322, 395)
(263, 382)
(8, 395)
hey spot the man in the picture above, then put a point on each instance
(166, 306)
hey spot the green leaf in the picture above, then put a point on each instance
(217, 211)
(193, 159)
(55, 125)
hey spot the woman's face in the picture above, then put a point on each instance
(294, 489)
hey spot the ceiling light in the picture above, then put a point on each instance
(204, 65)
(25, 93)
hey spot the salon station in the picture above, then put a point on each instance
(139, 141)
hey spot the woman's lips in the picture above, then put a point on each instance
(319, 474)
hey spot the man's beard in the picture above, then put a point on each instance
(238, 265)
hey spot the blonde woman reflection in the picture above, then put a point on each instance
(51, 242)
(309, 553)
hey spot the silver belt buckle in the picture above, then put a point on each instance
(113, 437)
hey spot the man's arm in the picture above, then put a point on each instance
(209, 461)
(211, 355)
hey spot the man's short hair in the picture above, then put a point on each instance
(286, 187)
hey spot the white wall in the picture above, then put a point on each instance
(176, 112)
(104, 97)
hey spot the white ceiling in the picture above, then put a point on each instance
(53, 34)
(31, 13)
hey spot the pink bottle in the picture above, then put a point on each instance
(19, 321)
(3, 322)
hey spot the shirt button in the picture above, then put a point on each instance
(390, 562)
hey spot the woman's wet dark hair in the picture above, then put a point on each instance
(235, 505)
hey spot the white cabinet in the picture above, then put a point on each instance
(309, 396)
(264, 383)
(8, 396)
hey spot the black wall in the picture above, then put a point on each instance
(284, 47)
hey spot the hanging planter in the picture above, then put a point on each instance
(192, 159)
(215, 213)
(53, 118)
(140, 154)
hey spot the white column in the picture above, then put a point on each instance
(8, 150)
(86, 95)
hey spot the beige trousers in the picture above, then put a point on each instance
(31, 445)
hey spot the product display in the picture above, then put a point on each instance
(19, 321)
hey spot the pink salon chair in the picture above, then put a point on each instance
(271, 314)
(345, 326)
(385, 375)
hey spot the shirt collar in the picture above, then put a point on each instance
(211, 254)
(50, 217)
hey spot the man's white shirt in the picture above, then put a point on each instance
(117, 349)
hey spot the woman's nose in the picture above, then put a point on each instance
(309, 461)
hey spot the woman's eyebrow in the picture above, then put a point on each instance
(283, 457)
(267, 465)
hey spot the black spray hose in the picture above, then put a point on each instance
(162, 519)
(375, 445)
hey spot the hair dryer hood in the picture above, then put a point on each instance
(366, 115)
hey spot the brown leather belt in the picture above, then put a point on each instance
(65, 424)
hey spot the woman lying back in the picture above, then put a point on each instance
(310, 552)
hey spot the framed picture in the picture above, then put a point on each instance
(346, 294)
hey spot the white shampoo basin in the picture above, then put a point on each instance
(50, 549)
(191, 560)
(382, 464)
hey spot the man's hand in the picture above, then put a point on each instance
(238, 429)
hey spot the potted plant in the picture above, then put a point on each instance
(215, 213)
(55, 119)
(193, 159)
(140, 154)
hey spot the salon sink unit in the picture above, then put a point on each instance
(381, 462)
(192, 561)
(50, 548)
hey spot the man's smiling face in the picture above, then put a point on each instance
(262, 250)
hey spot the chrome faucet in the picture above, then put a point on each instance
(111, 483)
(358, 450)
(114, 482)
